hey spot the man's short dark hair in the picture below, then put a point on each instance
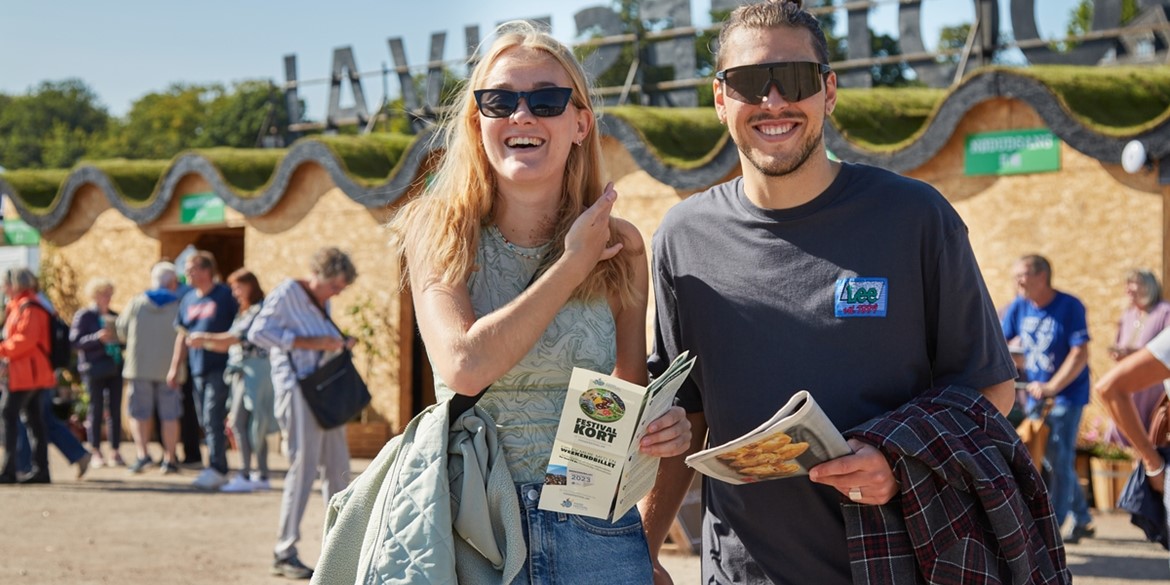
(204, 260)
(1038, 264)
(774, 14)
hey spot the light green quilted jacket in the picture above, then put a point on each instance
(436, 507)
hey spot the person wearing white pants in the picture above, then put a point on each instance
(310, 448)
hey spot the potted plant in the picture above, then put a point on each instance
(1110, 464)
(368, 432)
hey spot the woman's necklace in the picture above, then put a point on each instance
(1137, 328)
(524, 252)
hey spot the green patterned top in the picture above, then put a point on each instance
(526, 402)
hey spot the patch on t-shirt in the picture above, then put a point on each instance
(861, 296)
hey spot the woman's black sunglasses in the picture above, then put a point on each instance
(546, 102)
(794, 80)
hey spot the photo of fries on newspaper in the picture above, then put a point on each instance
(772, 457)
(797, 437)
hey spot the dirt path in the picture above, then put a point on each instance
(115, 527)
(118, 528)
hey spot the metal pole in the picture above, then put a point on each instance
(971, 35)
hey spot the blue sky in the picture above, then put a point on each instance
(126, 48)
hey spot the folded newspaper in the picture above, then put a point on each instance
(596, 468)
(799, 436)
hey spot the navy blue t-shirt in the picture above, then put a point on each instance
(210, 313)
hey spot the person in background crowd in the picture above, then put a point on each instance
(190, 433)
(519, 273)
(251, 416)
(1117, 388)
(1144, 317)
(99, 361)
(147, 327)
(208, 308)
(292, 327)
(60, 435)
(26, 349)
(1053, 331)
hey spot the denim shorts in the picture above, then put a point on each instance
(566, 549)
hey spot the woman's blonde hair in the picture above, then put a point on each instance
(98, 285)
(442, 225)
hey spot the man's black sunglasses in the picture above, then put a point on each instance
(794, 80)
(546, 102)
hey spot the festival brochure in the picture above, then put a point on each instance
(596, 468)
(799, 436)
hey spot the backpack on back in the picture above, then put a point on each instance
(60, 352)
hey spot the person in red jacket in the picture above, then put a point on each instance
(26, 349)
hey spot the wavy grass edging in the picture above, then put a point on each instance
(1003, 83)
(681, 137)
(251, 202)
(1116, 101)
(357, 168)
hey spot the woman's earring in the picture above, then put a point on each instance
(579, 141)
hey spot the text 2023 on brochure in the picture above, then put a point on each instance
(596, 469)
(796, 438)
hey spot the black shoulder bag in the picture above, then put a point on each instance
(335, 392)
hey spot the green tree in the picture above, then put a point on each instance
(448, 90)
(828, 22)
(1080, 20)
(705, 57)
(62, 146)
(238, 118)
(632, 23)
(160, 125)
(891, 74)
(398, 119)
(953, 37)
(56, 110)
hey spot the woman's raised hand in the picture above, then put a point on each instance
(589, 237)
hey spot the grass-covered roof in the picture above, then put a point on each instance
(1108, 102)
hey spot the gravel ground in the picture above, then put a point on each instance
(115, 527)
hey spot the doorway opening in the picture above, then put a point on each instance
(225, 243)
(422, 380)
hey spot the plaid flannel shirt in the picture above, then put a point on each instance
(972, 508)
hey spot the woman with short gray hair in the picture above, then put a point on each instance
(20, 279)
(26, 349)
(1144, 316)
(293, 327)
(330, 262)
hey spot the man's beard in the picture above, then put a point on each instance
(784, 165)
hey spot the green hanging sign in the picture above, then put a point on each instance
(1013, 152)
(19, 233)
(200, 208)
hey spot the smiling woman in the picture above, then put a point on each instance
(519, 274)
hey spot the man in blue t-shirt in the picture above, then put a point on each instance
(208, 307)
(1054, 335)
